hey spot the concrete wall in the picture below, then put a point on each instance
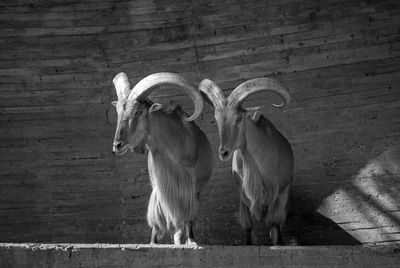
(60, 182)
(131, 255)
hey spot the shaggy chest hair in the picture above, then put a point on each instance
(173, 202)
(260, 191)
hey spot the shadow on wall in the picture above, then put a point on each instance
(364, 210)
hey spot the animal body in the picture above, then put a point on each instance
(179, 154)
(262, 158)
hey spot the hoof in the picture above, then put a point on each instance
(192, 243)
(275, 236)
(249, 239)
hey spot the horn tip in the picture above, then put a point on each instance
(286, 102)
(279, 105)
(119, 76)
(192, 117)
(197, 112)
(205, 81)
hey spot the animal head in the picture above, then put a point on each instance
(134, 109)
(231, 117)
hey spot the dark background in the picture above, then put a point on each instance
(340, 60)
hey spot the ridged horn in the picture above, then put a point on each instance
(149, 83)
(122, 85)
(213, 92)
(246, 89)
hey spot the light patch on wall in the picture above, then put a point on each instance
(368, 207)
(388, 163)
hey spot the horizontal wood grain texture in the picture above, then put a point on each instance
(340, 60)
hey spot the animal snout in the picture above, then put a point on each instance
(223, 153)
(117, 145)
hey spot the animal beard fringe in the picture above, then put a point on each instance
(173, 202)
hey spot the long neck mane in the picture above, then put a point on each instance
(176, 189)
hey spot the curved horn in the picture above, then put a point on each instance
(244, 90)
(213, 92)
(149, 83)
(122, 85)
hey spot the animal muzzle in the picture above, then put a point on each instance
(224, 154)
(117, 146)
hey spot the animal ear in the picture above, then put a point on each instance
(256, 115)
(255, 112)
(155, 107)
(114, 103)
(254, 109)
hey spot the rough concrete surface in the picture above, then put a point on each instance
(60, 182)
(139, 255)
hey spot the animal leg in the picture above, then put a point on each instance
(249, 241)
(189, 234)
(178, 237)
(277, 215)
(245, 218)
(153, 236)
(275, 235)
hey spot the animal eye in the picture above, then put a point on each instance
(138, 113)
(238, 119)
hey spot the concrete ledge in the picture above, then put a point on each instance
(136, 255)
